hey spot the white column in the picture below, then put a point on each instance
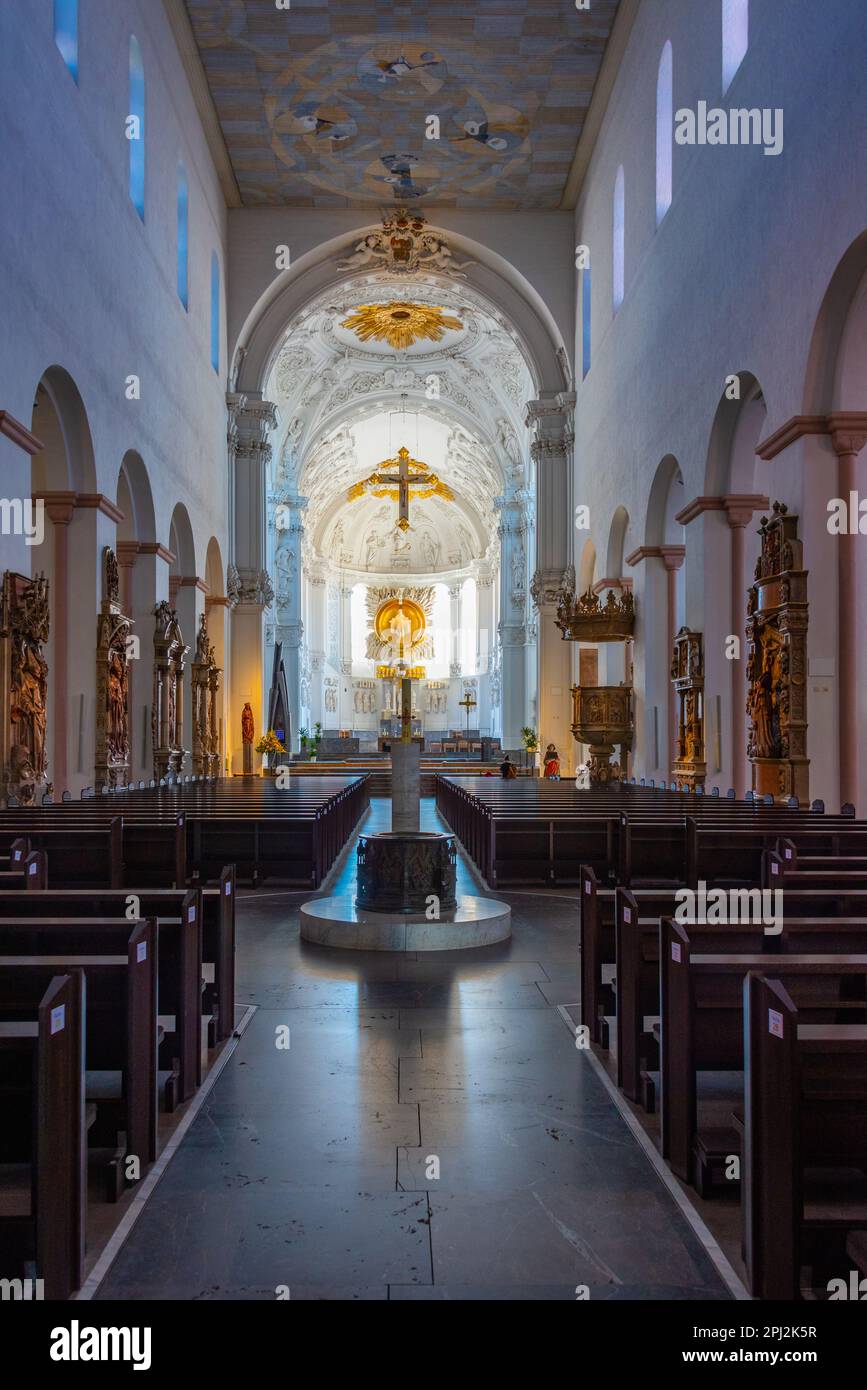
(551, 452)
(249, 585)
(287, 603)
(345, 702)
(485, 644)
(513, 533)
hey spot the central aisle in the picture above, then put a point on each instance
(314, 1169)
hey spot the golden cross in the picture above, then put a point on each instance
(403, 481)
(412, 477)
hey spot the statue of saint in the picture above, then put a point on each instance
(30, 682)
(117, 735)
(247, 723)
(762, 708)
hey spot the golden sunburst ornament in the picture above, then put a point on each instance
(400, 323)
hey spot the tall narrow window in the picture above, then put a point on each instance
(215, 312)
(183, 237)
(135, 127)
(586, 300)
(664, 132)
(735, 37)
(66, 32)
(619, 239)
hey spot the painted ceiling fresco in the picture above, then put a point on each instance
(326, 103)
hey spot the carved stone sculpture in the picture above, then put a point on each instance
(23, 686)
(687, 674)
(777, 612)
(205, 679)
(167, 714)
(113, 632)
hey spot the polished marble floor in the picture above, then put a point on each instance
(430, 1132)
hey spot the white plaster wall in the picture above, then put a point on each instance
(731, 281)
(83, 283)
(87, 286)
(537, 244)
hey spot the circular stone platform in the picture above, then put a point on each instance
(338, 922)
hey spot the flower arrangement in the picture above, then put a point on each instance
(531, 739)
(269, 743)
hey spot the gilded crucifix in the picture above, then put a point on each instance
(412, 479)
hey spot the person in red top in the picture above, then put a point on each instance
(552, 763)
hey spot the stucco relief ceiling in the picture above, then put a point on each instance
(326, 104)
(345, 406)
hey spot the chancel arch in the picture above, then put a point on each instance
(483, 401)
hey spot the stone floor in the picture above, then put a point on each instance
(430, 1133)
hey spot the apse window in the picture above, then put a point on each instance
(183, 237)
(586, 301)
(215, 312)
(735, 37)
(135, 128)
(664, 132)
(619, 239)
(66, 33)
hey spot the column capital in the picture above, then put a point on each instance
(672, 556)
(848, 431)
(740, 509)
(251, 588)
(253, 422)
(96, 501)
(602, 585)
(127, 553)
(155, 548)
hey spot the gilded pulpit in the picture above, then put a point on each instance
(602, 715)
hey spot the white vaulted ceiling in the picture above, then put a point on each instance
(345, 406)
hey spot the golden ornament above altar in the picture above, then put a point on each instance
(400, 323)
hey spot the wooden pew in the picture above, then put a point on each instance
(28, 876)
(217, 914)
(121, 1040)
(179, 970)
(44, 1127)
(84, 855)
(702, 1028)
(805, 1106)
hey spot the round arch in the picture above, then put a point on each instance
(506, 290)
(837, 360)
(60, 420)
(64, 472)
